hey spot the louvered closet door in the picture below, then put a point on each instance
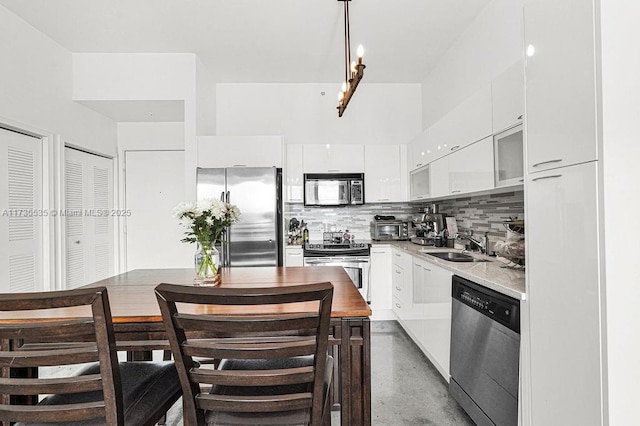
(21, 209)
(89, 218)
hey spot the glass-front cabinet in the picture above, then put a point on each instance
(509, 159)
(420, 183)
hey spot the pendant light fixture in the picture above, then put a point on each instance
(354, 71)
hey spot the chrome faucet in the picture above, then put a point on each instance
(482, 244)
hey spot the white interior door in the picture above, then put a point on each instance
(21, 212)
(154, 185)
(89, 218)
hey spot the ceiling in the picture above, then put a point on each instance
(258, 41)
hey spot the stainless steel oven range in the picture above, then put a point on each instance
(353, 257)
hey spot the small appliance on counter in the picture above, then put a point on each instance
(429, 229)
(385, 228)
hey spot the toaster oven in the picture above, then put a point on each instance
(383, 230)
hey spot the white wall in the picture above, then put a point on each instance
(133, 76)
(37, 81)
(488, 46)
(377, 113)
(621, 152)
(144, 76)
(205, 100)
(150, 136)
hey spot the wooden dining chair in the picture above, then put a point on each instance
(271, 344)
(90, 386)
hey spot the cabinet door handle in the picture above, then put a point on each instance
(239, 165)
(455, 191)
(419, 164)
(520, 180)
(420, 196)
(398, 272)
(453, 148)
(398, 254)
(333, 170)
(427, 269)
(547, 162)
(520, 117)
(398, 288)
(546, 177)
(398, 306)
(383, 199)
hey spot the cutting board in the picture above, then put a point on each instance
(452, 226)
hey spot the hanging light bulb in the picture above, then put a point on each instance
(360, 53)
(340, 97)
(353, 68)
(344, 86)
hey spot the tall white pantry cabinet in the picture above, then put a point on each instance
(564, 286)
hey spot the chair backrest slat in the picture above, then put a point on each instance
(63, 412)
(257, 351)
(59, 330)
(88, 383)
(256, 404)
(63, 341)
(247, 323)
(251, 377)
(48, 358)
(284, 326)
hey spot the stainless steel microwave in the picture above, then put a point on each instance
(333, 189)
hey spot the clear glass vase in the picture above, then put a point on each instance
(207, 264)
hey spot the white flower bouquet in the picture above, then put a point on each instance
(205, 222)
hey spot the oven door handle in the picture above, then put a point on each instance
(341, 260)
(320, 261)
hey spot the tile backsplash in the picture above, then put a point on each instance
(354, 218)
(480, 213)
(485, 213)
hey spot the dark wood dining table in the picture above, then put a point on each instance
(137, 319)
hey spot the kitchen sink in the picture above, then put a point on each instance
(453, 256)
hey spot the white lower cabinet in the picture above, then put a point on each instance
(401, 282)
(293, 256)
(429, 317)
(380, 282)
(564, 296)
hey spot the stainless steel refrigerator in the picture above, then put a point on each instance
(256, 240)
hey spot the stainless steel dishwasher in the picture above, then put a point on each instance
(485, 353)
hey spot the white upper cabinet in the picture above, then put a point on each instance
(467, 123)
(382, 174)
(561, 84)
(507, 92)
(294, 183)
(239, 151)
(418, 156)
(469, 169)
(333, 158)
(440, 178)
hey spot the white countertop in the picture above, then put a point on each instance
(490, 274)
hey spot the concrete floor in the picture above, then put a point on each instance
(406, 388)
